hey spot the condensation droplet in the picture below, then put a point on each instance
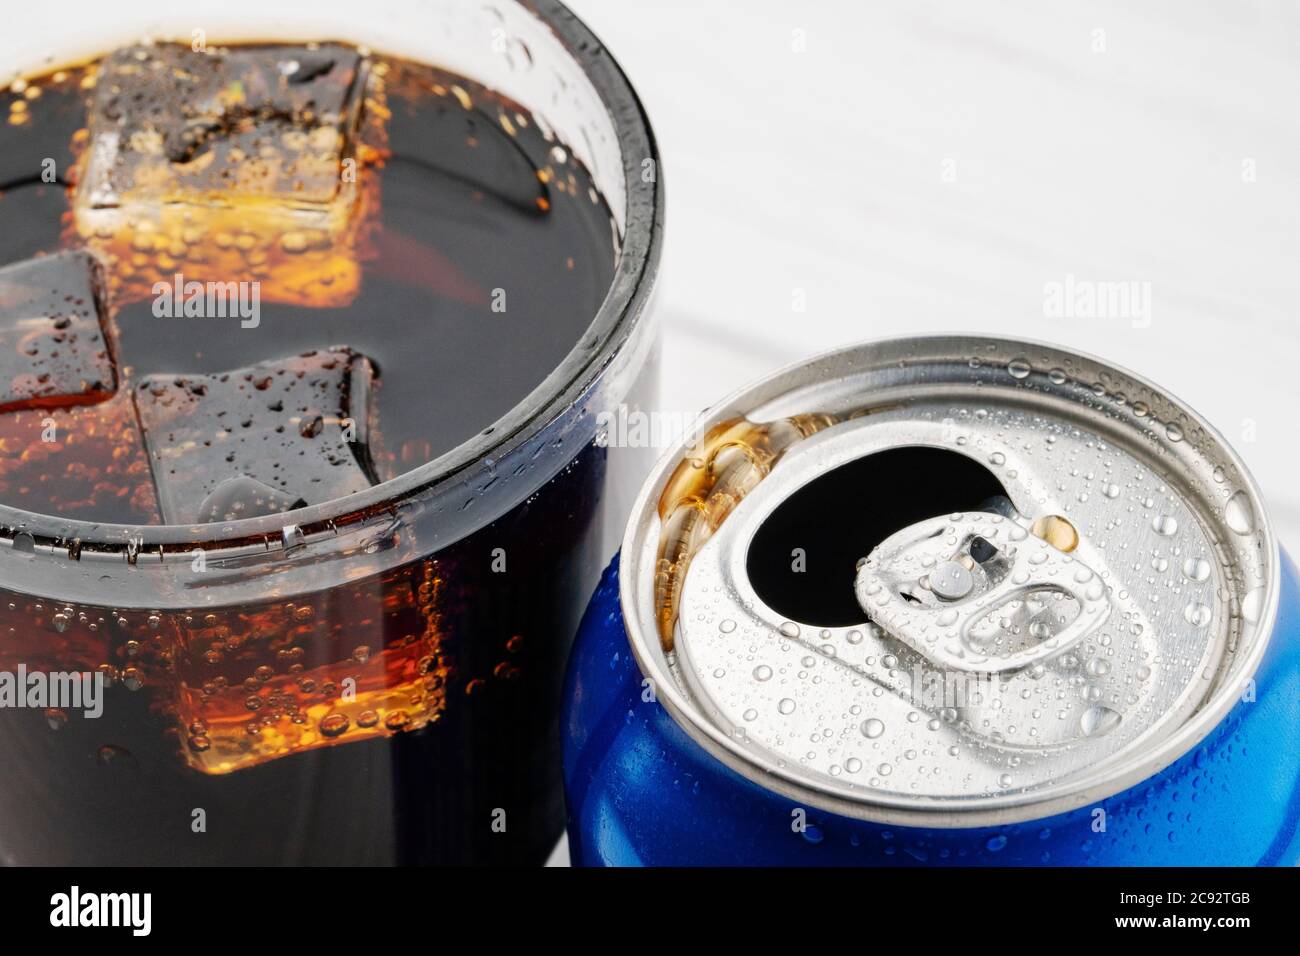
(1196, 569)
(1197, 615)
(1098, 721)
(1252, 606)
(873, 728)
(1239, 514)
(333, 725)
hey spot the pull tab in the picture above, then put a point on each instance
(941, 585)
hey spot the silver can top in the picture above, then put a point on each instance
(1088, 619)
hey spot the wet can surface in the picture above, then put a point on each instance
(303, 343)
(941, 601)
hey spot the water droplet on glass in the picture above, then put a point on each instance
(333, 725)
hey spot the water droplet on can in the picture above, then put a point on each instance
(1196, 569)
(1098, 721)
(1239, 514)
(1197, 615)
(873, 728)
(1165, 525)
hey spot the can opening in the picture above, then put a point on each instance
(803, 558)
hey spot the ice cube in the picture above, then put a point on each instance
(296, 427)
(53, 350)
(226, 162)
(244, 497)
(85, 462)
(361, 660)
(169, 124)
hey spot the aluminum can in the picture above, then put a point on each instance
(941, 601)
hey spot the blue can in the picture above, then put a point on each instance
(722, 710)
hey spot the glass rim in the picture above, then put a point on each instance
(610, 328)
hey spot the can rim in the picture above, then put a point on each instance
(890, 809)
(611, 326)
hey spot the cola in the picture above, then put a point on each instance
(297, 383)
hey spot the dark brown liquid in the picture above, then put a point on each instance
(463, 257)
(448, 749)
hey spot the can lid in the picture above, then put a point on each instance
(1042, 649)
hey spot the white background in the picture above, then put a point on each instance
(823, 171)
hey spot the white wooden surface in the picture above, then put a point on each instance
(916, 166)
